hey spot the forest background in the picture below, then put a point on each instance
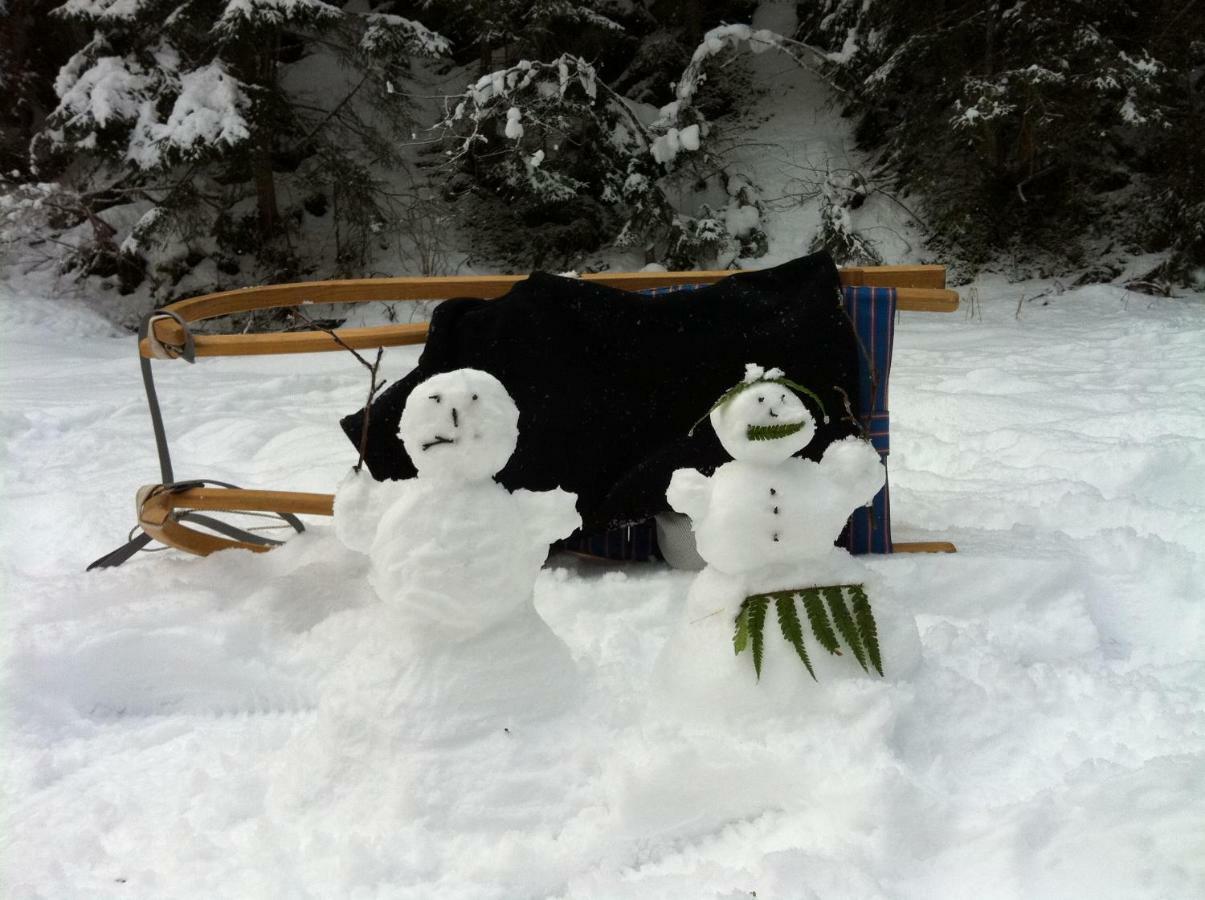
(155, 149)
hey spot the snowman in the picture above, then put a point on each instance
(765, 523)
(453, 558)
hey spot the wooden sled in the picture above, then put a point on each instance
(165, 509)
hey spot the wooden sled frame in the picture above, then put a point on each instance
(163, 508)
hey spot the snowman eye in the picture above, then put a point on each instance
(761, 399)
(474, 396)
(434, 397)
(783, 398)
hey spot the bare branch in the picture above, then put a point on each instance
(374, 384)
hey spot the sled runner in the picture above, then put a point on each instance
(168, 511)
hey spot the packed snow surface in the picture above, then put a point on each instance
(232, 727)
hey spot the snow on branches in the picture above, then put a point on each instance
(386, 35)
(543, 132)
(539, 133)
(241, 16)
(207, 113)
(1020, 124)
(101, 93)
(186, 105)
(95, 92)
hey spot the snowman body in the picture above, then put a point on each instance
(786, 514)
(457, 646)
(462, 556)
(766, 522)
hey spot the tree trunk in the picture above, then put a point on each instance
(991, 140)
(256, 66)
(265, 187)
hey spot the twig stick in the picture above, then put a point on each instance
(374, 385)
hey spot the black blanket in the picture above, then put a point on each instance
(608, 382)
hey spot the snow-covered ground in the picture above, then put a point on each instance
(207, 727)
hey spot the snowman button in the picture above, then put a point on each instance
(776, 538)
(776, 510)
(773, 492)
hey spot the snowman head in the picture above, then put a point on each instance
(459, 425)
(763, 420)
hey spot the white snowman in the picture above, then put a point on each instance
(453, 557)
(766, 522)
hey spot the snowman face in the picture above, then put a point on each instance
(764, 424)
(460, 425)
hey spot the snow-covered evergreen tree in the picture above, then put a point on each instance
(558, 164)
(525, 29)
(1019, 123)
(187, 106)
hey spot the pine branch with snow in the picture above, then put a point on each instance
(539, 134)
(198, 91)
(1026, 124)
(840, 193)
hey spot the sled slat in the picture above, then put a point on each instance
(910, 296)
(923, 547)
(366, 290)
(894, 276)
(156, 519)
(168, 332)
(156, 513)
(240, 500)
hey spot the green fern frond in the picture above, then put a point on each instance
(846, 627)
(788, 621)
(772, 432)
(740, 638)
(732, 393)
(814, 607)
(757, 626)
(866, 626)
(800, 389)
(856, 628)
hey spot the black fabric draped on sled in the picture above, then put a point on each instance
(609, 382)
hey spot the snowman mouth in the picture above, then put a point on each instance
(772, 432)
(437, 441)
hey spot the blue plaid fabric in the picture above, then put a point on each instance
(872, 312)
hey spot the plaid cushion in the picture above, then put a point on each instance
(872, 311)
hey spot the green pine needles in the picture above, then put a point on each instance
(837, 614)
(772, 432)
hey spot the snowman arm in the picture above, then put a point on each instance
(359, 503)
(548, 515)
(689, 493)
(856, 465)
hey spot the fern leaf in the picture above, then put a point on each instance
(846, 626)
(757, 626)
(819, 619)
(772, 432)
(740, 638)
(788, 621)
(866, 626)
